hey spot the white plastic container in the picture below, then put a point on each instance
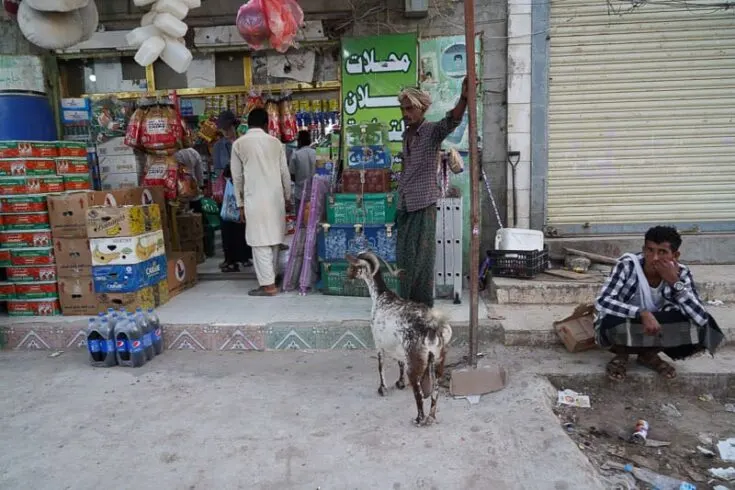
(193, 4)
(176, 55)
(170, 25)
(142, 3)
(150, 50)
(519, 239)
(148, 18)
(139, 35)
(173, 7)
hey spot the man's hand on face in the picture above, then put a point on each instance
(668, 270)
(651, 326)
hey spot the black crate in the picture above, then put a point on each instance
(523, 264)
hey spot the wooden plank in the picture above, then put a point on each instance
(576, 276)
(600, 259)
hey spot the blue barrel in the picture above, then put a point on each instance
(26, 117)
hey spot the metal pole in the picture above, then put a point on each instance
(469, 19)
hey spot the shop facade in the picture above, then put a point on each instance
(630, 117)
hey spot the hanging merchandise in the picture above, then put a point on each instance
(277, 21)
(161, 129)
(252, 25)
(161, 32)
(11, 7)
(274, 125)
(288, 126)
(57, 24)
(255, 101)
(186, 184)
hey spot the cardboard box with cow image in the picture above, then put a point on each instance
(182, 272)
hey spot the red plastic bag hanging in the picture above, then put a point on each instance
(219, 188)
(252, 24)
(284, 20)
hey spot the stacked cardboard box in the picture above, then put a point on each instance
(182, 272)
(190, 229)
(129, 266)
(120, 168)
(72, 247)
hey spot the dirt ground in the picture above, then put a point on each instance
(602, 432)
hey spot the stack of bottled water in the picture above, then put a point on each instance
(124, 338)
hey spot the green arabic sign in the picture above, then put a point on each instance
(374, 71)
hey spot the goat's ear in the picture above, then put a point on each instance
(350, 259)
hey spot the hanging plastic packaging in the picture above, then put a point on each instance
(284, 17)
(252, 24)
(150, 50)
(170, 25)
(176, 55)
(174, 7)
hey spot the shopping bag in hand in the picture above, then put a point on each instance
(219, 188)
(230, 211)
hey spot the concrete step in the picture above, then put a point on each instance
(533, 325)
(713, 283)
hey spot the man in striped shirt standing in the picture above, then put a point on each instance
(649, 304)
(418, 191)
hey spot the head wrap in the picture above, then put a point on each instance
(415, 97)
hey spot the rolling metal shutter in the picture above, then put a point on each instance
(641, 107)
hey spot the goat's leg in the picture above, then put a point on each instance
(419, 396)
(382, 390)
(401, 383)
(434, 390)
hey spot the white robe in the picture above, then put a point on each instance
(262, 186)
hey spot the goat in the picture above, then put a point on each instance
(411, 333)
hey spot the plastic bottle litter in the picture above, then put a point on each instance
(155, 324)
(129, 343)
(147, 331)
(660, 482)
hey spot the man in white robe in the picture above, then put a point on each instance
(263, 191)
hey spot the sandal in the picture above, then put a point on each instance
(617, 368)
(655, 363)
(231, 268)
(261, 291)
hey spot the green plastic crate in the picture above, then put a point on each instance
(369, 209)
(335, 282)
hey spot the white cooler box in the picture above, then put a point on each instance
(519, 239)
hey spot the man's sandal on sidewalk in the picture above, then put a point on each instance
(617, 368)
(655, 363)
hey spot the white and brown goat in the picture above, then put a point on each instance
(411, 333)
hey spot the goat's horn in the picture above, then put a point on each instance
(374, 262)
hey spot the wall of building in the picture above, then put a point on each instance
(12, 40)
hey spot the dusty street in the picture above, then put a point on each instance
(286, 420)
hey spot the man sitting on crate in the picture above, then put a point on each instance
(650, 304)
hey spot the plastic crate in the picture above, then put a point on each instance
(335, 282)
(378, 208)
(522, 264)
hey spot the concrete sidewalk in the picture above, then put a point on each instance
(274, 420)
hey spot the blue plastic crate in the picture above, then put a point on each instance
(334, 241)
(129, 278)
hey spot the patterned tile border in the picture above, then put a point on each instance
(347, 335)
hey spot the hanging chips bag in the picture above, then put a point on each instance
(135, 126)
(274, 123)
(186, 184)
(161, 129)
(288, 125)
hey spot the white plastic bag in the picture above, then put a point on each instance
(170, 25)
(150, 50)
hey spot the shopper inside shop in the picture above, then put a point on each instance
(227, 123)
(302, 165)
(418, 191)
(236, 249)
(192, 164)
(263, 193)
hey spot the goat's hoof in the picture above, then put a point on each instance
(419, 421)
(382, 391)
(428, 421)
(400, 384)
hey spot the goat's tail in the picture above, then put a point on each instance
(441, 324)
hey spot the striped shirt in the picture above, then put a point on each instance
(418, 187)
